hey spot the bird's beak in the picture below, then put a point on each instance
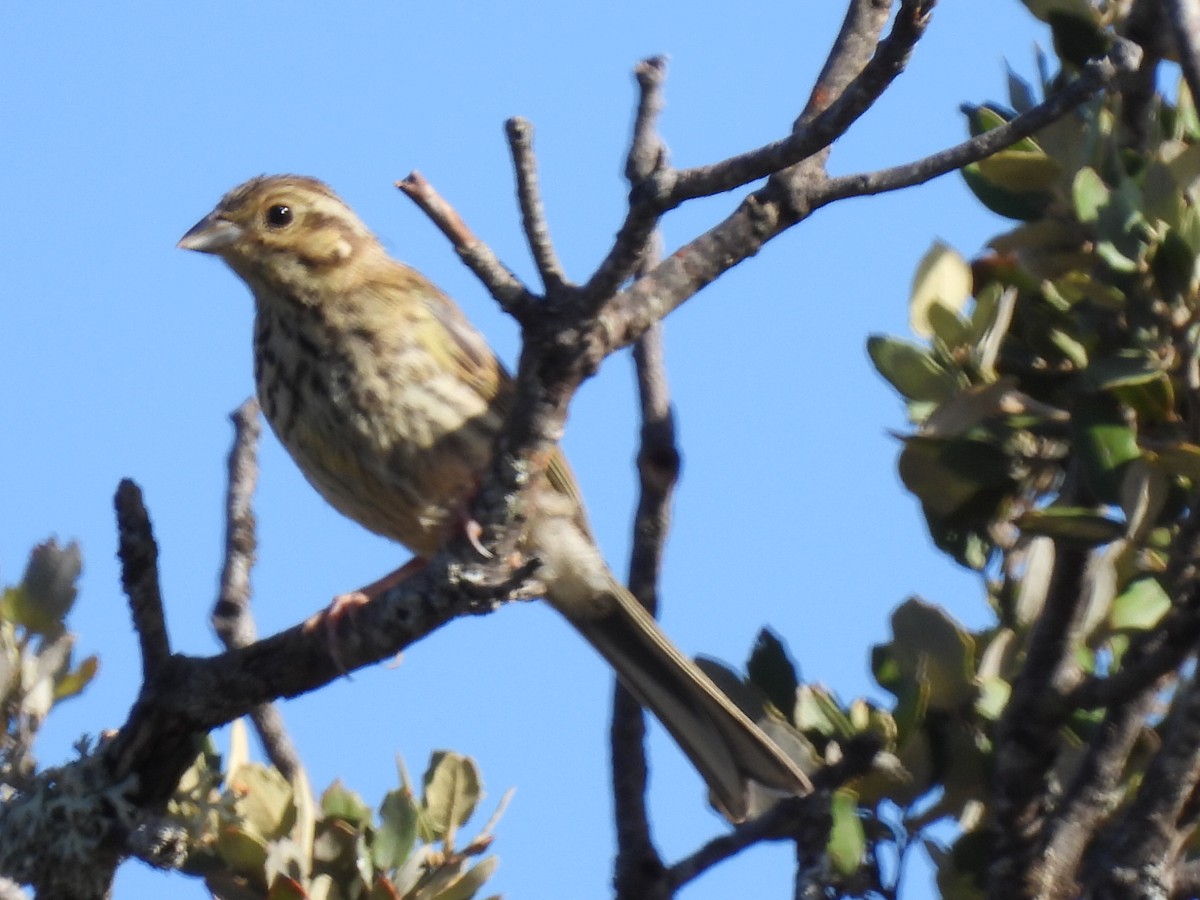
(212, 234)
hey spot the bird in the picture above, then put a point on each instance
(390, 401)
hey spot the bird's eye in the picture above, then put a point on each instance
(279, 215)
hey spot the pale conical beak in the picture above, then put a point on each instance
(211, 234)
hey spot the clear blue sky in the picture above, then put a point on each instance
(124, 123)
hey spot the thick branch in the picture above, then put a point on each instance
(1028, 738)
(1140, 857)
(1094, 792)
(189, 696)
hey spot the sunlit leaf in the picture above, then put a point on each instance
(912, 370)
(942, 279)
(1140, 606)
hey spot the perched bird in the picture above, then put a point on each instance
(390, 401)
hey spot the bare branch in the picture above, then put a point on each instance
(647, 153)
(503, 285)
(638, 866)
(1093, 794)
(765, 214)
(1028, 734)
(1152, 828)
(190, 696)
(231, 616)
(533, 212)
(1096, 75)
(139, 577)
(645, 161)
(853, 47)
(820, 131)
(805, 820)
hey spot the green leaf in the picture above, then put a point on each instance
(47, 590)
(817, 710)
(912, 370)
(263, 800)
(340, 802)
(74, 682)
(397, 831)
(931, 646)
(1173, 266)
(243, 852)
(471, 881)
(1021, 171)
(1123, 370)
(1090, 195)
(452, 791)
(847, 840)
(1141, 606)
(1105, 443)
(772, 671)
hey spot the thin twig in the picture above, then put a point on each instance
(139, 577)
(500, 281)
(1123, 58)
(854, 45)
(231, 616)
(820, 131)
(804, 819)
(638, 867)
(762, 216)
(647, 153)
(533, 211)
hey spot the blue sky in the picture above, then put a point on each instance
(122, 356)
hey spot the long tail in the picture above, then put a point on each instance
(724, 745)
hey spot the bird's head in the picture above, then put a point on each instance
(280, 231)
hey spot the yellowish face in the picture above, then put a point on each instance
(279, 229)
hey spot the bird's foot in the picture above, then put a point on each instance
(343, 607)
